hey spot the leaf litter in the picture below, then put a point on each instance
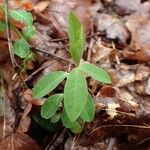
(119, 33)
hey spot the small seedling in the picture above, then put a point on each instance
(20, 47)
(76, 103)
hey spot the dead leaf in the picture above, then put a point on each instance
(142, 73)
(61, 8)
(29, 98)
(140, 55)
(129, 120)
(101, 53)
(18, 141)
(106, 23)
(7, 114)
(132, 7)
(25, 119)
(148, 87)
(41, 6)
(27, 5)
(140, 29)
(145, 9)
(108, 91)
(4, 52)
(111, 111)
(127, 6)
(123, 75)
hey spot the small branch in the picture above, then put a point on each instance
(58, 39)
(98, 33)
(121, 125)
(57, 141)
(12, 57)
(53, 55)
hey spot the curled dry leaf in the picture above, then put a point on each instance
(108, 91)
(105, 22)
(28, 97)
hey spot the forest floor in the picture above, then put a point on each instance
(118, 40)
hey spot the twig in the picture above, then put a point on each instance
(37, 71)
(58, 140)
(58, 39)
(120, 112)
(14, 63)
(122, 125)
(98, 33)
(143, 141)
(53, 55)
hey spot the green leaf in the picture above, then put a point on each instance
(21, 48)
(50, 107)
(48, 83)
(96, 72)
(2, 26)
(28, 32)
(21, 15)
(89, 110)
(55, 118)
(75, 94)
(76, 38)
(65, 120)
(76, 128)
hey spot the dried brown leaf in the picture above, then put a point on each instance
(61, 8)
(140, 29)
(29, 98)
(105, 22)
(18, 141)
(41, 6)
(25, 119)
(127, 6)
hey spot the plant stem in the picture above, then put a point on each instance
(12, 57)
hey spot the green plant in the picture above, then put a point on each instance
(75, 106)
(20, 46)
